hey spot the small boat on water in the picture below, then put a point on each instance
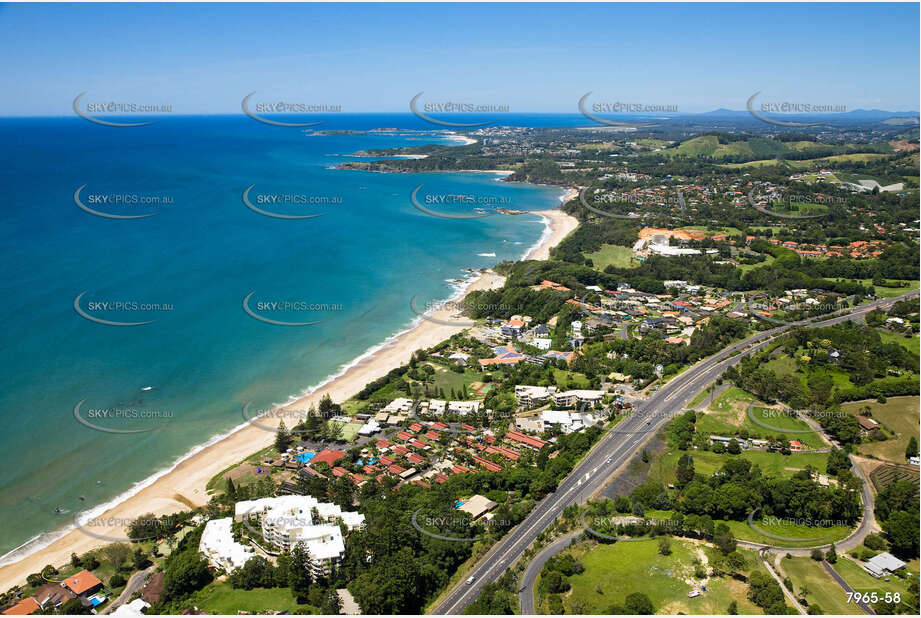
(147, 388)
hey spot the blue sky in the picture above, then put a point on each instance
(203, 58)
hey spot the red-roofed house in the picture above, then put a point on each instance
(396, 470)
(440, 478)
(405, 436)
(415, 458)
(25, 607)
(526, 440)
(84, 583)
(439, 426)
(492, 467)
(432, 435)
(339, 471)
(387, 461)
(416, 427)
(419, 444)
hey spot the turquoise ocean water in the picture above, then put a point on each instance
(187, 269)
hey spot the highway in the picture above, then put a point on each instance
(614, 449)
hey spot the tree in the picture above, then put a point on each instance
(186, 572)
(733, 447)
(831, 556)
(638, 603)
(300, 573)
(256, 573)
(816, 554)
(684, 470)
(912, 449)
(645, 456)
(724, 540)
(733, 609)
(282, 437)
(231, 490)
(117, 554)
(665, 546)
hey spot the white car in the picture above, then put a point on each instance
(470, 580)
(693, 593)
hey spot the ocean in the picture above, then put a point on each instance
(127, 342)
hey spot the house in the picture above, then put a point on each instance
(25, 607)
(463, 408)
(134, 608)
(369, 428)
(477, 506)
(400, 405)
(796, 445)
(866, 424)
(567, 421)
(52, 595)
(512, 328)
(327, 456)
(459, 358)
(882, 564)
(84, 584)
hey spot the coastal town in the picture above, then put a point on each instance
(688, 384)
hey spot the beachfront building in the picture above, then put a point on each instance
(220, 548)
(286, 521)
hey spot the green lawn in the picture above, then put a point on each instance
(728, 398)
(623, 568)
(772, 464)
(912, 344)
(616, 255)
(566, 380)
(821, 589)
(899, 415)
(220, 598)
(887, 292)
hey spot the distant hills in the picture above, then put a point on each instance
(879, 115)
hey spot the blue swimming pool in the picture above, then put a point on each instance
(458, 504)
(304, 457)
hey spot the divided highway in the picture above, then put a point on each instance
(614, 449)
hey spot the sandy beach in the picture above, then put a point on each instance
(185, 484)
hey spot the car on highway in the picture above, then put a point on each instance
(470, 580)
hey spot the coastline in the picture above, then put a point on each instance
(183, 483)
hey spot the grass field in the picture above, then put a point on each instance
(772, 464)
(728, 399)
(912, 344)
(809, 575)
(899, 415)
(566, 380)
(889, 292)
(614, 571)
(612, 255)
(220, 598)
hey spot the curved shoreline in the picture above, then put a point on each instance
(184, 481)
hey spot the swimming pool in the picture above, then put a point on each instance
(304, 457)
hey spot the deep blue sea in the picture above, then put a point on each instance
(185, 272)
